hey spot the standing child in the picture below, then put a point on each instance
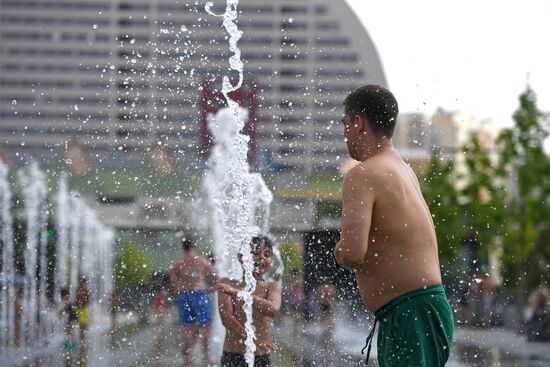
(188, 279)
(160, 305)
(19, 300)
(82, 302)
(266, 303)
(297, 299)
(68, 311)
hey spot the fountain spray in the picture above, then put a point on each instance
(7, 293)
(34, 195)
(236, 196)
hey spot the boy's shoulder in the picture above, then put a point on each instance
(269, 286)
(232, 282)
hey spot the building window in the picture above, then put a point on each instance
(293, 57)
(294, 9)
(294, 41)
(132, 22)
(292, 88)
(133, 6)
(294, 72)
(319, 9)
(293, 26)
(256, 25)
(327, 26)
(267, 9)
(323, 41)
(55, 4)
(336, 57)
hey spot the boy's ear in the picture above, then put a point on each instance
(361, 123)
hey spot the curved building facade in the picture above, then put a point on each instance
(122, 76)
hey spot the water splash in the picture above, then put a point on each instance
(34, 195)
(74, 246)
(7, 292)
(62, 225)
(88, 242)
(239, 199)
(235, 62)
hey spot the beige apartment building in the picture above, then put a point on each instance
(120, 76)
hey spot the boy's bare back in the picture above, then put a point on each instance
(383, 194)
(190, 272)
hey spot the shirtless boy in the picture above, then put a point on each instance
(388, 239)
(266, 303)
(188, 280)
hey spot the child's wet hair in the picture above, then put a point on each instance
(188, 242)
(64, 292)
(257, 240)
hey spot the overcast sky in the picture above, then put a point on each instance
(472, 55)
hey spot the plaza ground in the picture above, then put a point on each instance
(157, 345)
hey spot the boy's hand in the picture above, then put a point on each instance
(267, 347)
(226, 288)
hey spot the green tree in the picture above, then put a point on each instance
(524, 160)
(131, 267)
(291, 254)
(483, 196)
(442, 199)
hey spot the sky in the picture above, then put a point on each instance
(475, 56)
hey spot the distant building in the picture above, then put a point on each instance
(417, 136)
(412, 130)
(445, 128)
(121, 76)
(412, 138)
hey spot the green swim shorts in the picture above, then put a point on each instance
(415, 329)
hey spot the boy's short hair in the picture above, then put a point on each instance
(375, 103)
(64, 292)
(187, 243)
(257, 240)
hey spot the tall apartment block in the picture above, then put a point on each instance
(120, 78)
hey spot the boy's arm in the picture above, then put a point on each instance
(225, 307)
(358, 202)
(172, 279)
(210, 271)
(271, 305)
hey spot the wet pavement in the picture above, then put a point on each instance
(154, 345)
(158, 345)
(473, 347)
(477, 347)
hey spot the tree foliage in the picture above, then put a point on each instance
(291, 254)
(131, 267)
(524, 160)
(504, 198)
(483, 196)
(442, 198)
